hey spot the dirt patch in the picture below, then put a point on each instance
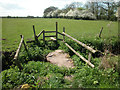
(60, 58)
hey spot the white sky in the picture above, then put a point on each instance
(30, 7)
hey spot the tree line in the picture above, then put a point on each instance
(102, 10)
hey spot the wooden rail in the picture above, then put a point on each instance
(82, 44)
(50, 36)
(50, 31)
(39, 34)
(79, 55)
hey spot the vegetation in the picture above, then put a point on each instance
(91, 10)
(38, 73)
(41, 74)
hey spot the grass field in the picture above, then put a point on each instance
(13, 27)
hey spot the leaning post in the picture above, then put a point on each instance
(24, 43)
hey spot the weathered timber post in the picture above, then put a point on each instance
(44, 37)
(17, 53)
(100, 32)
(56, 33)
(24, 43)
(64, 35)
(36, 38)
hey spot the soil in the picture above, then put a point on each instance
(60, 58)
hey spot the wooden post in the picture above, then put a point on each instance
(24, 42)
(17, 53)
(64, 35)
(44, 37)
(36, 38)
(79, 55)
(56, 31)
(89, 56)
(100, 32)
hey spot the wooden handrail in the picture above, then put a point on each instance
(60, 33)
(82, 44)
(88, 62)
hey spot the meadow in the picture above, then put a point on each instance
(88, 29)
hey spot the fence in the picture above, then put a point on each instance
(91, 50)
(46, 36)
(85, 46)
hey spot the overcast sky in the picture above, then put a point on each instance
(30, 7)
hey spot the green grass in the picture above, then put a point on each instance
(13, 27)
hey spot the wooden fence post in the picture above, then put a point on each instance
(17, 54)
(44, 37)
(56, 31)
(64, 35)
(24, 43)
(36, 38)
(100, 32)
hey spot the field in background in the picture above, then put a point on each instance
(88, 29)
